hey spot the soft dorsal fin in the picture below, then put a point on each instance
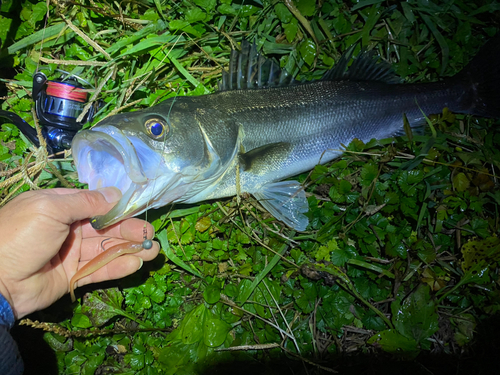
(248, 69)
(365, 67)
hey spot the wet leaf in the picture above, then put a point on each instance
(461, 182)
(480, 252)
(215, 332)
(392, 341)
(416, 317)
(203, 224)
(211, 294)
(193, 325)
(306, 7)
(307, 50)
(102, 305)
(81, 321)
(291, 29)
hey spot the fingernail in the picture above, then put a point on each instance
(111, 194)
(142, 262)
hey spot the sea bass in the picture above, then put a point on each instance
(263, 127)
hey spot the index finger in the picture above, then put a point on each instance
(129, 229)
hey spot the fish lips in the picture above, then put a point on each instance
(103, 150)
(106, 156)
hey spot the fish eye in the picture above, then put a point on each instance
(156, 128)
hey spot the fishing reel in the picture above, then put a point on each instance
(58, 104)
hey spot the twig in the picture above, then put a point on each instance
(95, 94)
(249, 347)
(59, 176)
(86, 38)
(73, 62)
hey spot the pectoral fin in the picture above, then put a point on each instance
(286, 201)
(263, 159)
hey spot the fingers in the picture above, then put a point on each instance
(130, 229)
(120, 267)
(74, 204)
(85, 203)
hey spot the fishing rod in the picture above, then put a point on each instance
(58, 104)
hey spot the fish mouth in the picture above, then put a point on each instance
(106, 156)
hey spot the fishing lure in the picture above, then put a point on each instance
(131, 247)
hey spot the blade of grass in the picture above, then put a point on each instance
(162, 237)
(445, 50)
(36, 37)
(188, 76)
(244, 296)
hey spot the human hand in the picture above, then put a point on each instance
(45, 238)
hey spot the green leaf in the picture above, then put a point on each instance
(243, 296)
(192, 328)
(81, 321)
(307, 50)
(185, 26)
(372, 267)
(177, 356)
(392, 341)
(373, 322)
(207, 5)
(416, 317)
(211, 294)
(215, 332)
(345, 187)
(163, 238)
(483, 252)
(368, 173)
(227, 9)
(195, 15)
(291, 29)
(306, 7)
(461, 182)
(145, 31)
(149, 43)
(189, 77)
(284, 15)
(39, 12)
(36, 37)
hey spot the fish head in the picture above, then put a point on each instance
(153, 159)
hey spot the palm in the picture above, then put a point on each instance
(45, 240)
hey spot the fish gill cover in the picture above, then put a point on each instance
(401, 253)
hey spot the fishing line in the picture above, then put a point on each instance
(161, 158)
(163, 149)
(43, 35)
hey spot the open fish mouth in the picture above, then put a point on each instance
(105, 156)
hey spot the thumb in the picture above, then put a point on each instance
(86, 203)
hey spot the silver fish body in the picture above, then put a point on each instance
(190, 149)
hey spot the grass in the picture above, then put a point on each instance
(389, 267)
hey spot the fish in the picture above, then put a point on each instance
(263, 127)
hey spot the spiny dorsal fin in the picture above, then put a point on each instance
(249, 69)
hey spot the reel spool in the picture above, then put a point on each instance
(58, 105)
